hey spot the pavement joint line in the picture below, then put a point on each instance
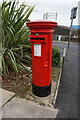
(8, 101)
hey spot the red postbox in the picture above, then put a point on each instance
(41, 42)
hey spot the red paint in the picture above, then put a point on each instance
(41, 65)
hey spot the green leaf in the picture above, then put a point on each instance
(13, 60)
(10, 30)
(24, 66)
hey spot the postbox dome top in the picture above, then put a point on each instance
(41, 25)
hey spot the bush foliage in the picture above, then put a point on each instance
(15, 39)
(56, 57)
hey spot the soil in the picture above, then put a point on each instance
(18, 84)
(21, 83)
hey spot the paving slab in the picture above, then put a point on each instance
(5, 96)
(21, 108)
(0, 114)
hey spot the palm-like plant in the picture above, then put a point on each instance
(15, 39)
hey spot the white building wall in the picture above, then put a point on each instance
(79, 13)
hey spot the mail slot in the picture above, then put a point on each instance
(37, 38)
(41, 43)
(34, 38)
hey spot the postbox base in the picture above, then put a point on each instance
(41, 91)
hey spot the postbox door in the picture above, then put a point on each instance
(40, 61)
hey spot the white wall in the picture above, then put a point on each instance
(79, 13)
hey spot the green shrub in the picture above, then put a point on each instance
(56, 57)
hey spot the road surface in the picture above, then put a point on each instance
(67, 99)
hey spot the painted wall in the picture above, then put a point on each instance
(79, 13)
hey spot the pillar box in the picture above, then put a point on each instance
(41, 43)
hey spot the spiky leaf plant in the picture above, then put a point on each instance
(15, 39)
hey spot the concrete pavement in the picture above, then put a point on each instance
(21, 108)
(5, 96)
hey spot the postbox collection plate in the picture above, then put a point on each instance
(37, 50)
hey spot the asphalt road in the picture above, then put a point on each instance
(67, 99)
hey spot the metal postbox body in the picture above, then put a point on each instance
(41, 42)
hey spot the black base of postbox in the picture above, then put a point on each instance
(41, 91)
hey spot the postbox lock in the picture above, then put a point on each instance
(37, 34)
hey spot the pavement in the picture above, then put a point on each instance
(14, 107)
(67, 98)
